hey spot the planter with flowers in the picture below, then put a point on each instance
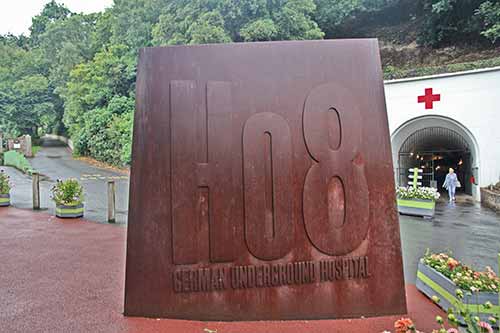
(5, 187)
(454, 285)
(68, 196)
(419, 201)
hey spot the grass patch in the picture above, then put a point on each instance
(35, 150)
(14, 159)
(394, 73)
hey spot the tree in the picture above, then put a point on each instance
(64, 44)
(259, 30)
(294, 21)
(25, 98)
(98, 99)
(51, 12)
(330, 14)
(448, 21)
(131, 21)
(490, 14)
(209, 21)
(208, 28)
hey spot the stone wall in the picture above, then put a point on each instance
(22, 145)
(490, 199)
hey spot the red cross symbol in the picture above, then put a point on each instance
(429, 98)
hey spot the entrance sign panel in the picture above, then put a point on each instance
(262, 184)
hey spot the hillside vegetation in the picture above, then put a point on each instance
(75, 74)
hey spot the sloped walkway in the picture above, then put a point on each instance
(68, 276)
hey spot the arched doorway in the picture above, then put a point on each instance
(435, 144)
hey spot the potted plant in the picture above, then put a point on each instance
(455, 285)
(419, 201)
(5, 187)
(68, 196)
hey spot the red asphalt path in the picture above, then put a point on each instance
(68, 276)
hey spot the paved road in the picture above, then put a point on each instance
(69, 277)
(54, 161)
(471, 232)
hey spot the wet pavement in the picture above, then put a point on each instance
(68, 276)
(54, 161)
(469, 231)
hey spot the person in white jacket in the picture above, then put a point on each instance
(450, 183)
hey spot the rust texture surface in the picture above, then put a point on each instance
(262, 184)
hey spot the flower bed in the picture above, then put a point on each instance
(418, 201)
(458, 286)
(68, 196)
(5, 187)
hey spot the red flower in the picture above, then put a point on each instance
(452, 264)
(404, 325)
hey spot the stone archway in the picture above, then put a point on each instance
(436, 143)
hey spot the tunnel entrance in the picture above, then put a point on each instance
(436, 143)
(435, 150)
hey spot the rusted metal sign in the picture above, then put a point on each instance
(262, 184)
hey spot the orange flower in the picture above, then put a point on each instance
(452, 263)
(403, 325)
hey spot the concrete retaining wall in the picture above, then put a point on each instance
(62, 139)
(490, 199)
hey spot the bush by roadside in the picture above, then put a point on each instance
(18, 161)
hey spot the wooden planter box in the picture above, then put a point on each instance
(432, 283)
(417, 207)
(4, 200)
(63, 211)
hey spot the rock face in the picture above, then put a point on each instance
(491, 198)
(261, 184)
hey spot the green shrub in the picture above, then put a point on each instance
(18, 161)
(4, 183)
(106, 134)
(35, 150)
(490, 14)
(68, 192)
(449, 21)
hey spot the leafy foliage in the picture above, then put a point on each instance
(17, 160)
(209, 21)
(490, 13)
(448, 21)
(4, 183)
(51, 13)
(26, 102)
(68, 192)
